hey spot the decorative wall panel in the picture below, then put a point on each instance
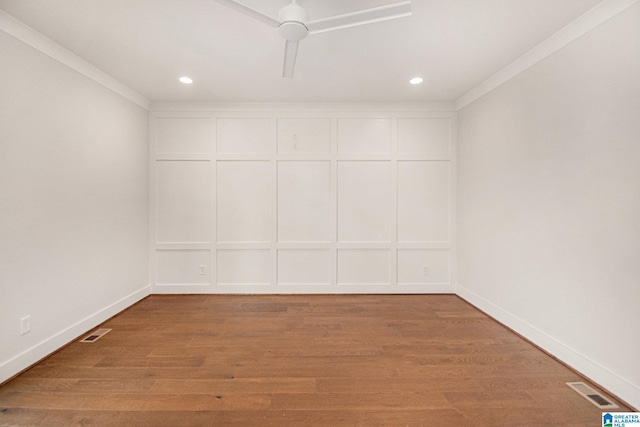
(244, 201)
(176, 267)
(301, 201)
(423, 201)
(183, 201)
(364, 197)
(371, 136)
(244, 136)
(423, 266)
(430, 137)
(183, 135)
(304, 266)
(240, 266)
(304, 199)
(304, 135)
(364, 266)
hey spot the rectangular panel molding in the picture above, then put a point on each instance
(183, 135)
(302, 201)
(182, 201)
(243, 201)
(364, 195)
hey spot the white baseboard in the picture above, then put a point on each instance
(309, 288)
(603, 376)
(41, 350)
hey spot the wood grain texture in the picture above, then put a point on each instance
(393, 360)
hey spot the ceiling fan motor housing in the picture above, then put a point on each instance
(293, 17)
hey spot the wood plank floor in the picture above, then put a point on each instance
(395, 360)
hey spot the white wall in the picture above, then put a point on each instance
(549, 204)
(73, 204)
(302, 200)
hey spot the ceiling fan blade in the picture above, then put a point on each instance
(362, 17)
(290, 53)
(246, 10)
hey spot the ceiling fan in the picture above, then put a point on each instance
(293, 24)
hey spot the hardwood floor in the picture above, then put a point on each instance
(366, 360)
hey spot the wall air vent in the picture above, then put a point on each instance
(95, 335)
(592, 396)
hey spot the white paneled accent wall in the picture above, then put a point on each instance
(302, 202)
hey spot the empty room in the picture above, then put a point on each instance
(319, 212)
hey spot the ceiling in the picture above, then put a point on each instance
(147, 44)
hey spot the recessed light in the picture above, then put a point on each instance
(416, 80)
(186, 80)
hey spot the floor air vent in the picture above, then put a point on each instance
(592, 396)
(95, 335)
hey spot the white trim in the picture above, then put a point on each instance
(304, 107)
(41, 350)
(590, 20)
(31, 37)
(453, 203)
(603, 376)
(304, 289)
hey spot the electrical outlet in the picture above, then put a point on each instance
(425, 270)
(25, 324)
(202, 270)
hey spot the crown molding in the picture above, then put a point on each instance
(31, 37)
(302, 106)
(590, 20)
